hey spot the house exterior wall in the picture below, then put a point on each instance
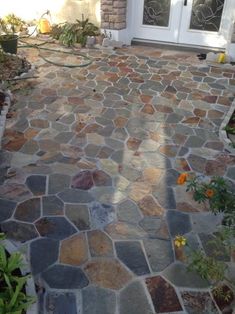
(113, 14)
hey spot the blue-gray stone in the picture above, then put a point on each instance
(19, 231)
(101, 215)
(6, 209)
(36, 184)
(75, 196)
(159, 253)
(58, 182)
(133, 300)
(179, 223)
(55, 227)
(43, 253)
(61, 303)
(97, 300)
(179, 276)
(165, 196)
(52, 205)
(132, 255)
(65, 277)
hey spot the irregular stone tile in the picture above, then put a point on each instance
(105, 152)
(152, 175)
(75, 196)
(150, 207)
(109, 166)
(82, 180)
(155, 227)
(121, 183)
(73, 251)
(131, 254)
(49, 145)
(59, 303)
(64, 137)
(43, 253)
(36, 184)
(52, 206)
(100, 178)
(131, 304)
(194, 141)
(98, 300)
(156, 160)
(169, 150)
(65, 277)
(101, 215)
(123, 231)
(39, 123)
(197, 163)
(128, 211)
(100, 244)
(14, 191)
(165, 196)
(19, 231)
(179, 223)
(78, 215)
(215, 145)
(58, 182)
(29, 210)
(30, 147)
(139, 190)
(215, 168)
(55, 227)
(107, 273)
(148, 146)
(198, 302)
(13, 140)
(91, 150)
(163, 295)
(6, 209)
(231, 173)
(178, 275)
(133, 143)
(205, 222)
(129, 173)
(120, 122)
(159, 253)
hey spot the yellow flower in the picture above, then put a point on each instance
(182, 178)
(209, 193)
(180, 241)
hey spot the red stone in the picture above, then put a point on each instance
(83, 180)
(13, 140)
(101, 178)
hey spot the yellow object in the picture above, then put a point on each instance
(221, 58)
(180, 241)
(44, 26)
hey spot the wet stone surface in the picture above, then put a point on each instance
(88, 177)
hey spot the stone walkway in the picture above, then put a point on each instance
(89, 164)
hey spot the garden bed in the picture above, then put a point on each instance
(5, 102)
(12, 66)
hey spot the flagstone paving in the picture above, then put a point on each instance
(89, 162)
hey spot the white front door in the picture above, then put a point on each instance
(192, 22)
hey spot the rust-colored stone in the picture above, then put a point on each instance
(139, 190)
(150, 207)
(99, 243)
(120, 122)
(148, 109)
(133, 143)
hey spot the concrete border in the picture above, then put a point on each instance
(6, 106)
(223, 134)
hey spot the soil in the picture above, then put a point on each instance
(2, 99)
(12, 66)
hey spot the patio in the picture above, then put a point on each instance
(89, 164)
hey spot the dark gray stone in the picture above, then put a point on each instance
(101, 215)
(165, 196)
(179, 223)
(128, 211)
(55, 227)
(58, 182)
(170, 177)
(194, 141)
(179, 276)
(19, 231)
(58, 303)
(43, 253)
(75, 196)
(133, 300)
(231, 173)
(159, 253)
(132, 255)
(64, 137)
(6, 209)
(36, 184)
(52, 205)
(65, 277)
(97, 300)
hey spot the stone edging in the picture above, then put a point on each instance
(30, 287)
(223, 134)
(7, 103)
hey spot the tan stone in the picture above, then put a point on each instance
(99, 243)
(120, 122)
(122, 230)
(150, 207)
(152, 175)
(139, 190)
(108, 273)
(74, 250)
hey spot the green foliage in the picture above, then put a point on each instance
(71, 33)
(220, 199)
(229, 129)
(13, 299)
(10, 24)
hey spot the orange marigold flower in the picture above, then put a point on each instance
(209, 193)
(182, 178)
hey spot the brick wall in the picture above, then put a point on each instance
(113, 14)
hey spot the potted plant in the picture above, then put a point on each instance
(14, 283)
(10, 25)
